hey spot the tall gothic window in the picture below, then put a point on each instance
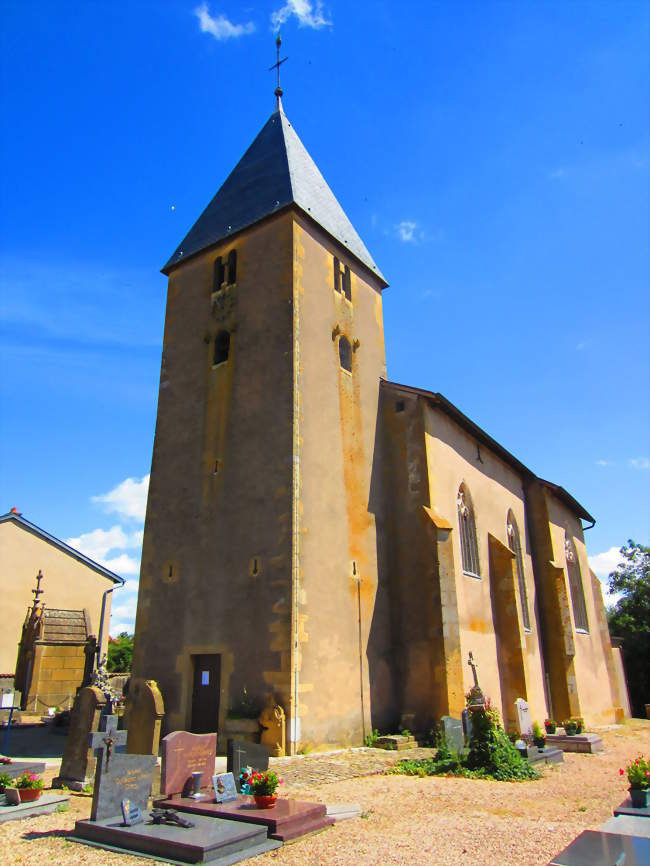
(345, 353)
(575, 585)
(232, 267)
(221, 347)
(219, 274)
(514, 543)
(468, 542)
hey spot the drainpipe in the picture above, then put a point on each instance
(591, 525)
(101, 626)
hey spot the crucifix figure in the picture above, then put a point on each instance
(107, 740)
(473, 666)
(278, 63)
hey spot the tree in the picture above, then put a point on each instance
(630, 619)
(119, 656)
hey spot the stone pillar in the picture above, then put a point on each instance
(145, 711)
(78, 764)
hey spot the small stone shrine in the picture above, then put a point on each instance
(452, 730)
(243, 754)
(182, 755)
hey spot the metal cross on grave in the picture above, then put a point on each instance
(108, 740)
(473, 666)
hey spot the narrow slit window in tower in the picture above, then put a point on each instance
(337, 275)
(347, 286)
(221, 347)
(219, 274)
(232, 267)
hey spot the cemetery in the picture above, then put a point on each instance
(182, 803)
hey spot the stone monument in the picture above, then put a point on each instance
(144, 713)
(272, 721)
(78, 764)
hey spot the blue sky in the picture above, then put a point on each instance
(493, 156)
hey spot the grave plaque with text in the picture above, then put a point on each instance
(183, 754)
(452, 730)
(524, 720)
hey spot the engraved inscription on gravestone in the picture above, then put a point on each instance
(524, 721)
(242, 754)
(126, 777)
(184, 754)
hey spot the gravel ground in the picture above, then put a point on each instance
(422, 822)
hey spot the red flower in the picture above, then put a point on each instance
(621, 772)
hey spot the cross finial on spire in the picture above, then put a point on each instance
(278, 63)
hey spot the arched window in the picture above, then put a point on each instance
(514, 543)
(219, 274)
(345, 354)
(575, 585)
(468, 543)
(232, 267)
(221, 347)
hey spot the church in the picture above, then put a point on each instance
(322, 537)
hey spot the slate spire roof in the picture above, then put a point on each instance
(276, 171)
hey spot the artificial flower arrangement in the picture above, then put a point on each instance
(29, 781)
(550, 725)
(244, 780)
(264, 784)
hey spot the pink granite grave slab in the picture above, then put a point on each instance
(287, 820)
(183, 754)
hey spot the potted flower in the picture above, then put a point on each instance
(570, 727)
(638, 775)
(580, 724)
(539, 737)
(30, 787)
(263, 787)
(550, 725)
(5, 782)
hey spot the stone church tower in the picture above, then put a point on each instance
(259, 565)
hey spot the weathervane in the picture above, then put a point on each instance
(277, 65)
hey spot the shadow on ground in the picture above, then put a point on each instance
(38, 741)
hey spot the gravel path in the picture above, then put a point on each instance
(422, 822)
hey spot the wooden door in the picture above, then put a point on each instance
(205, 694)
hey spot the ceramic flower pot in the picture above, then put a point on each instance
(28, 795)
(265, 802)
(639, 797)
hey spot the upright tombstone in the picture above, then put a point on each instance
(452, 730)
(78, 764)
(524, 721)
(183, 754)
(145, 711)
(242, 754)
(118, 776)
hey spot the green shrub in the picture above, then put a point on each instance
(371, 738)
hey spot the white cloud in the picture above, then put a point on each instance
(97, 543)
(557, 173)
(128, 499)
(304, 11)
(130, 586)
(122, 564)
(219, 26)
(118, 627)
(603, 563)
(603, 463)
(640, 463)
(406, 231)
(125, 611)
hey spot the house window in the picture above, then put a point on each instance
(232, 267)
(221, 347)
(467, 524)
(514, 543)
(575, 585)
(345, 354)
(219, 274)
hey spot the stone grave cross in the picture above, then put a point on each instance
(108, 739)
(473, 666)
(476, 700)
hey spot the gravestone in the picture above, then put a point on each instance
(118, 776)
(242, 754)
(144, 713)
(524, 721)
(467, 725)
(452, 730)
(592, 848)
(78, 764)
(183, 754)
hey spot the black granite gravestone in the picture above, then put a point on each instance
(241, 754)
(452, 730)
(126, 777)
(593, 848)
